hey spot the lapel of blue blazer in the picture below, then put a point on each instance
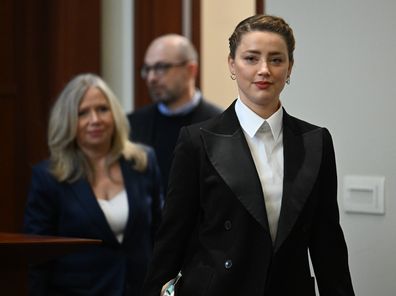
(83, 192)
(229, 154)
(302, 151)
(132, 179)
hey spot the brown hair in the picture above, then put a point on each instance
(262, 22)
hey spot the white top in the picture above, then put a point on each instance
(265, 140)
(116, 212)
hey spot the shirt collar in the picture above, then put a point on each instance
(182, 110)
(251, 122)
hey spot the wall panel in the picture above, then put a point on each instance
(44, 43)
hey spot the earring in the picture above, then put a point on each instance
(288, 80)
(233, 76)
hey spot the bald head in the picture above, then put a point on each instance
(170, 70)
(173, 47)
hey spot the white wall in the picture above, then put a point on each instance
(117, 49)
(343, 79)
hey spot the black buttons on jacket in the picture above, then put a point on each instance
(228, 264)
(227, 225)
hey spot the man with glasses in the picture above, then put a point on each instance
(170, 70)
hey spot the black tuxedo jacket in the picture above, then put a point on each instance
(215, 228)
(71, 209)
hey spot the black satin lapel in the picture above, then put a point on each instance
(230, 156)
(131, 181)
(86, 197)
(302, 158)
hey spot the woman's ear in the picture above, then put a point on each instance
(231, 64)
(290, 69)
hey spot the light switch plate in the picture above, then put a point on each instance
(364, 194)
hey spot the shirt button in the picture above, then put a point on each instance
(228, 264)
(227, 225)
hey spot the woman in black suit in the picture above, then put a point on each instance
(96, 184)
(253, 190)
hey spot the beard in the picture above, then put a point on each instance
(163, 95)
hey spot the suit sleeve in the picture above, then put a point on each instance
(40, 218)
(328, 249)
(179, 217)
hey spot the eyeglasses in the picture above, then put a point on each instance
(159, 68)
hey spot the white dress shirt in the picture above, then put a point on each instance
(265, 140)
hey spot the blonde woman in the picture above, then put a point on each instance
(96, 184)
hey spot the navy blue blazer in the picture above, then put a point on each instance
(215, 227)
(71, 210)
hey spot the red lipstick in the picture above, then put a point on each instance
(262, 84)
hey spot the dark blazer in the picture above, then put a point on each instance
(146, 128)
(71, 210)
(215, 228)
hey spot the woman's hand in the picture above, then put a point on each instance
(169, 288)
(164, 289)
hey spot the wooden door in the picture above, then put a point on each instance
(43, 44)
(152, 19)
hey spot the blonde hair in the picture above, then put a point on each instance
(68, 163)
